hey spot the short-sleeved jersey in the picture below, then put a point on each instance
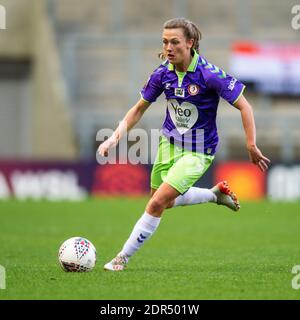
(192, 101)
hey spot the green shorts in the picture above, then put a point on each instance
(178, 167)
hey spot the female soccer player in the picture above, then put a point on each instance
(192, 87)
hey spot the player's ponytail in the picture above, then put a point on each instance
(190, 30)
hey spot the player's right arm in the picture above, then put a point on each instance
(130, 120)
(150, 92)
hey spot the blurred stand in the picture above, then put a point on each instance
(35, 116)
(69, 68)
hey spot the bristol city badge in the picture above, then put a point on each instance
(193, 89)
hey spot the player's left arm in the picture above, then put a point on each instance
(255, 154)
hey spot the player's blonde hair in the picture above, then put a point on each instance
(190, 31)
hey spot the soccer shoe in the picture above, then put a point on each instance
(225, 196)
(119, 263)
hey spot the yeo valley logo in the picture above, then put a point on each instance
(184, 115)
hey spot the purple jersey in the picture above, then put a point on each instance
(192, 101)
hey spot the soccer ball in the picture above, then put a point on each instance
(77, 254)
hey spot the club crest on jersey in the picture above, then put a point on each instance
(179, 92)
(193, 89)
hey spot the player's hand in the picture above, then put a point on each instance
(258, 158)
(106, 145)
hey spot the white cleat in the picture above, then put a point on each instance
(225, 196)
(119, 263)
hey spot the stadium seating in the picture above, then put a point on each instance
(107, 49)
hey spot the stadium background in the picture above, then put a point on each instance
(69, 68)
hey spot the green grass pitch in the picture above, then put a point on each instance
(198, 252)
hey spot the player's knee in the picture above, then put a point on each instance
(170, 204)
(157, 204)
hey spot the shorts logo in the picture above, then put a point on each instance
(193, 89)
(168, 85)
(179, 92)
